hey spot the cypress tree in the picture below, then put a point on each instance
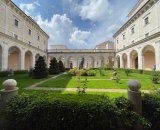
(61, 66)
(53, 68)
(40, 70)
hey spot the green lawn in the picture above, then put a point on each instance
(66, 81)
(22, 80)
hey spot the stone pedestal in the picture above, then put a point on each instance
(134, 95)
(6, 95)
(10, 90)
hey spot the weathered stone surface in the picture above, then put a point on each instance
(9, 84)
(134, 85)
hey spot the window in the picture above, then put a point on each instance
(146, 35)
(124, 37)
(16, 22)
(29, 42)
(132, 41)
(132, 30)
(38, 38)
(15, 36)
(117, 41)
(29, 32)
(146, 21)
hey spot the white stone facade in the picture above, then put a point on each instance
(137, 42)
(93, 58)
(22, 41)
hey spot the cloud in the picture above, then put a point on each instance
(29, 8)
(78, 38)
(62, 31)
(94, 10)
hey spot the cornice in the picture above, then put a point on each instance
(141, 11)
(141, 41)
(21, 42)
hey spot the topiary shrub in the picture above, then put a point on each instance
(40, 70)
(70, 112)
(53, 68)
(61, 66)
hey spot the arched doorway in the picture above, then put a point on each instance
(70, 62)
(101, 61)
(124, 58)
(0, 58)
(118, 61)
(79, 60)
(148, 53)
(61, 58)
(28, 60)
(134, 59)
(14, 61)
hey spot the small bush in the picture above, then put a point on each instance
(155, 77)
(91, 72)
(151, 110)
(4, 73)
(69, 112)
(72, 71)
(127, 71)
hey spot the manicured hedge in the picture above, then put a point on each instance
(151, 110)
(70, 112)
(4, 73)
(20, 71)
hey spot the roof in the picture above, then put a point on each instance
(104, 43)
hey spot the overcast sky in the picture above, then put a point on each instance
(78, 23)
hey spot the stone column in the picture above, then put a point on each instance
(5, 58)
(22, 59)
(33, 60)
(121, 62)
(157, 55)
(129, 60)
(140, 60)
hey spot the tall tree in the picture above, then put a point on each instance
(61, 66)
(53, 68)
(40, 70)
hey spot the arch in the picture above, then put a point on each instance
(28, 60)
(110, 61)
(134, 59)
(101, 61)
(124, 59)
(45, 58)
(148, 54)
(0, 58)
(14, 58)
(71, 62)
(89, 62)
(118, 61)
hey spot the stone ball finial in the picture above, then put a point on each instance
(134, 85)
(9, 84)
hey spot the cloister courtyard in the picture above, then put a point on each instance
(98, 84)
